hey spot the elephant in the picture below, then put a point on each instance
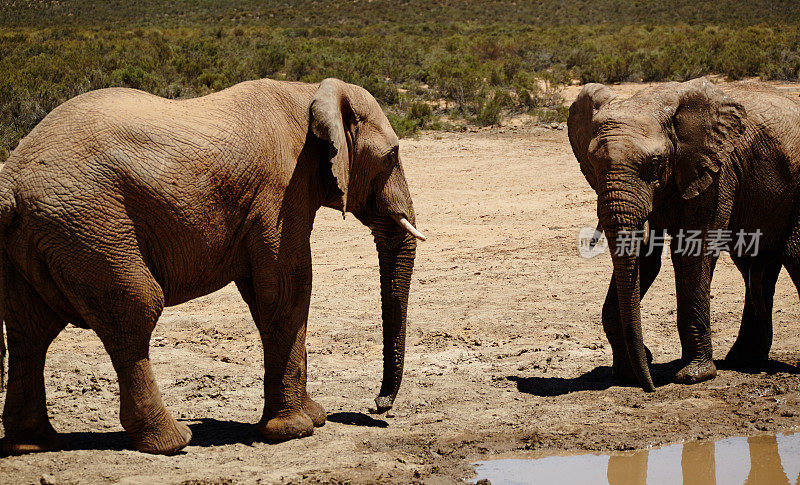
(120, 203)
(692, 157)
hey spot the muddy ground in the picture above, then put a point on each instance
(506, 353)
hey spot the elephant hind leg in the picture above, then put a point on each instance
(31, 326)
(791, 256)
(755, 333)
(123, 312)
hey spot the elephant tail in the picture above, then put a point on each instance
(7, 207)
(2, 331)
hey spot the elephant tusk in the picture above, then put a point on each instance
(403, 222)
(646, 233)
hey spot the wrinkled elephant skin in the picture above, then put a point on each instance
(120, 203)
(715, 160)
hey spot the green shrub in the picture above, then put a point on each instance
(422, 113)
(489, 113)
(479, 59)
(401, 125)
(268, 60)
(551, 115)
(384, 91)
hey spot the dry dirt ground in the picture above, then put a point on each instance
(506, 353)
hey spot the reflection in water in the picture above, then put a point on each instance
(628, 468)
(698, 465)
(756, 460)
(768, 467)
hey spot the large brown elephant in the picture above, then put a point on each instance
(120, 203)
(721, 162)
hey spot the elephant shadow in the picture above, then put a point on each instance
(357, 419)
(206, 432)
(600, 378)
(770, 367)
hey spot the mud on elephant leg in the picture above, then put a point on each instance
(31, 327)
(612, 325)
(693, 288)
(755, 334)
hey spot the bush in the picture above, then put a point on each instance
(421, 113)
(401, 125)
(489, 113)
(476, 60)
(384, 91)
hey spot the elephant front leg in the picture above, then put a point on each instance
(650, 265)
(693, 289)
(285, 376)
(755, 334)
(280, 310)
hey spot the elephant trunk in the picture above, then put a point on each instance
(396, 251)
(623, 214)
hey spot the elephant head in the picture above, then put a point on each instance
(363, 157)
(672, 139)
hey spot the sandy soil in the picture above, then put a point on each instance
(506, 353)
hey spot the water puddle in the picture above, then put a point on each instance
(772, 459)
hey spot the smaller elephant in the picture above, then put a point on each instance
(120, 203)
(720, 163)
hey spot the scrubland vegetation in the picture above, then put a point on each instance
(431, 64)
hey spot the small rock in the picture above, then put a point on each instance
(554, 125)
(47, 479)
(483, 481)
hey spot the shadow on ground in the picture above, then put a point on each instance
(600, 378)
(770, 367)
(205, 432)
(597, 379)
(357, 419)
(212, 432)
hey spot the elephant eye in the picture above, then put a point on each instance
(392, 157)
(651, 168)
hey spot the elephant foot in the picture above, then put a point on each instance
(622, 372)
(282, 428)
(313, 410)
(31, 441)
(696, 372)
(741, 358)
(161, 437)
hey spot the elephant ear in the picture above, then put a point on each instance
(579, 124)
(707, 127)
(331, 120)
